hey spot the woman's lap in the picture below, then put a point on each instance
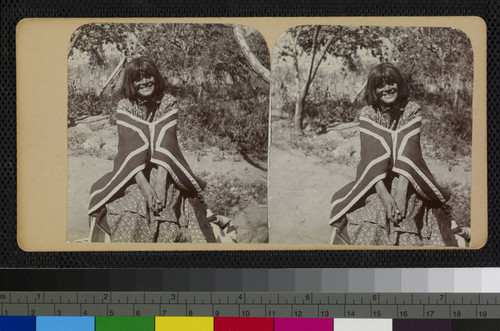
(130, 220)
(368, 225)
(371, 234)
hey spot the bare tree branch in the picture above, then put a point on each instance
(255, 64)
(314, 50)
(296, 58)
(76, 35)
(323, 55)
(113, 74)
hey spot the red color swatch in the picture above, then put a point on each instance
(243, 324)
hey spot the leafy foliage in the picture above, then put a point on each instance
(439, 74)
(223, 194)
(224, 103)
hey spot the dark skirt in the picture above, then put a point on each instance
(129, 218)
(367, 224)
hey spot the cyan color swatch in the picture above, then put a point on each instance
(65, 323)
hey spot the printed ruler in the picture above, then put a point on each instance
(252, 304)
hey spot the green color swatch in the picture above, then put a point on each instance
(124, 323)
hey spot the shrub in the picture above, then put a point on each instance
(83, 103)
(230, 124)
(460, 202)
(222, 193)
(448, 131)
(76, 141)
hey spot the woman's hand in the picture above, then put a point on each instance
(148, 192)
(400, 199)
(401, 192)
(391, 208)
(160, 186)
(390, 205)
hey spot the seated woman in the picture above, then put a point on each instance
(395, 200)
(151, 195)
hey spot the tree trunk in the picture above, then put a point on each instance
(115, 72)
(76, 35)
(199, 96)
(456, 89)
(302, 91)
(254, 63)
(299, 109)
(357, 104)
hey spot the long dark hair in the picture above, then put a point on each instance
(137, 69)
(385, 73)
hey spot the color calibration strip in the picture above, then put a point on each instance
(43, 323)
(253, 304)
(474, 280)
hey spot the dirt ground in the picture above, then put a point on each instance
(97, 144)
(301, 187)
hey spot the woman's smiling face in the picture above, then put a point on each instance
(145, 87)
(388, 93)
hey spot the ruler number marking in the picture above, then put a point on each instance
(454, 306)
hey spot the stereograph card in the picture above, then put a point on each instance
(251, 133)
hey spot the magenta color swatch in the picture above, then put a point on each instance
(303, 324)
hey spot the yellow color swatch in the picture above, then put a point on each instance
(184, 324)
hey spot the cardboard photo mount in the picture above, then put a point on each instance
(42, 101)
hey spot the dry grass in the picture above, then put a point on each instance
(223, 193)
(328, 150)
(244, 203)
(460, 202)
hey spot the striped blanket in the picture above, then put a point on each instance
(382, 151)
(141, 143)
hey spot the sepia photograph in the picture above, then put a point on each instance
(371, 136)
(167, 133)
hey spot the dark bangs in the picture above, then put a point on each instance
(386, 78)
(138, 69)
(144, 70)
(382, 74)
